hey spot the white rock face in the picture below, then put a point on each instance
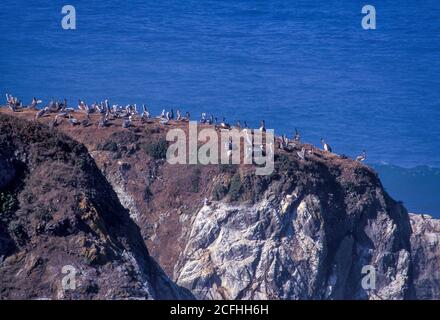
(282, 248)
(425, 252)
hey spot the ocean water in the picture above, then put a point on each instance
(305, 64)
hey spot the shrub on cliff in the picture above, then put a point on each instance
(219, 191)
(8, 205)
(235, 189)
(110, 146)
(195, 180)
(157, 150)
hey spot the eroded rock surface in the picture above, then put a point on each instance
(60, 217)
(305, 232)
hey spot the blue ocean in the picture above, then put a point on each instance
(297, 64)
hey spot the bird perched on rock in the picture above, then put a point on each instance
(362, 157)
(326, 146)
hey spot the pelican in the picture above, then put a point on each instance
(224, 125)
(55, 122)
(86, 121)
(238, 125)
(302, 154)
(297, 136)
(326, 146)
(97, 107)
(281, 143)
(34, 103)
(203, 118)
(171, 114)
(63, 105)
(63, 114)
(263, 151)
(81, 105)
(162, 115)
(145, 113)
(73, 121)
(127, 122)
(103, 121)
(362, 157)
(179, 116)
(229, 147)
(41, 112)
(9, 98)
(263, 126)
(106, 105)
(187, 116)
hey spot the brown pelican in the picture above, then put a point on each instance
(162, 115)
(326, 146)
(145, 113)
(63, 105)
(86, 121)
(297, 136)
(187, 116)
(229, 147)
(302, 154)
(34, 103)
(263, 151)
(55, 122)
(165, 119)
(362, 157)
(224, 125)
(41, 112)
(103, 121)
(9, 99)
(127, 122)
(73, 121)
(81, 105)
(263, 126)
(203, 118)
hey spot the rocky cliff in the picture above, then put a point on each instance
(305, 232)
(59, 216)
(425, 252)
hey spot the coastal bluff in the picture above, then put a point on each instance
(97, 198)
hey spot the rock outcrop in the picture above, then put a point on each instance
(301, 241)
(61, 218)
(425, 252)
(314, 229)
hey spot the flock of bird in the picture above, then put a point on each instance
(130, 113)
